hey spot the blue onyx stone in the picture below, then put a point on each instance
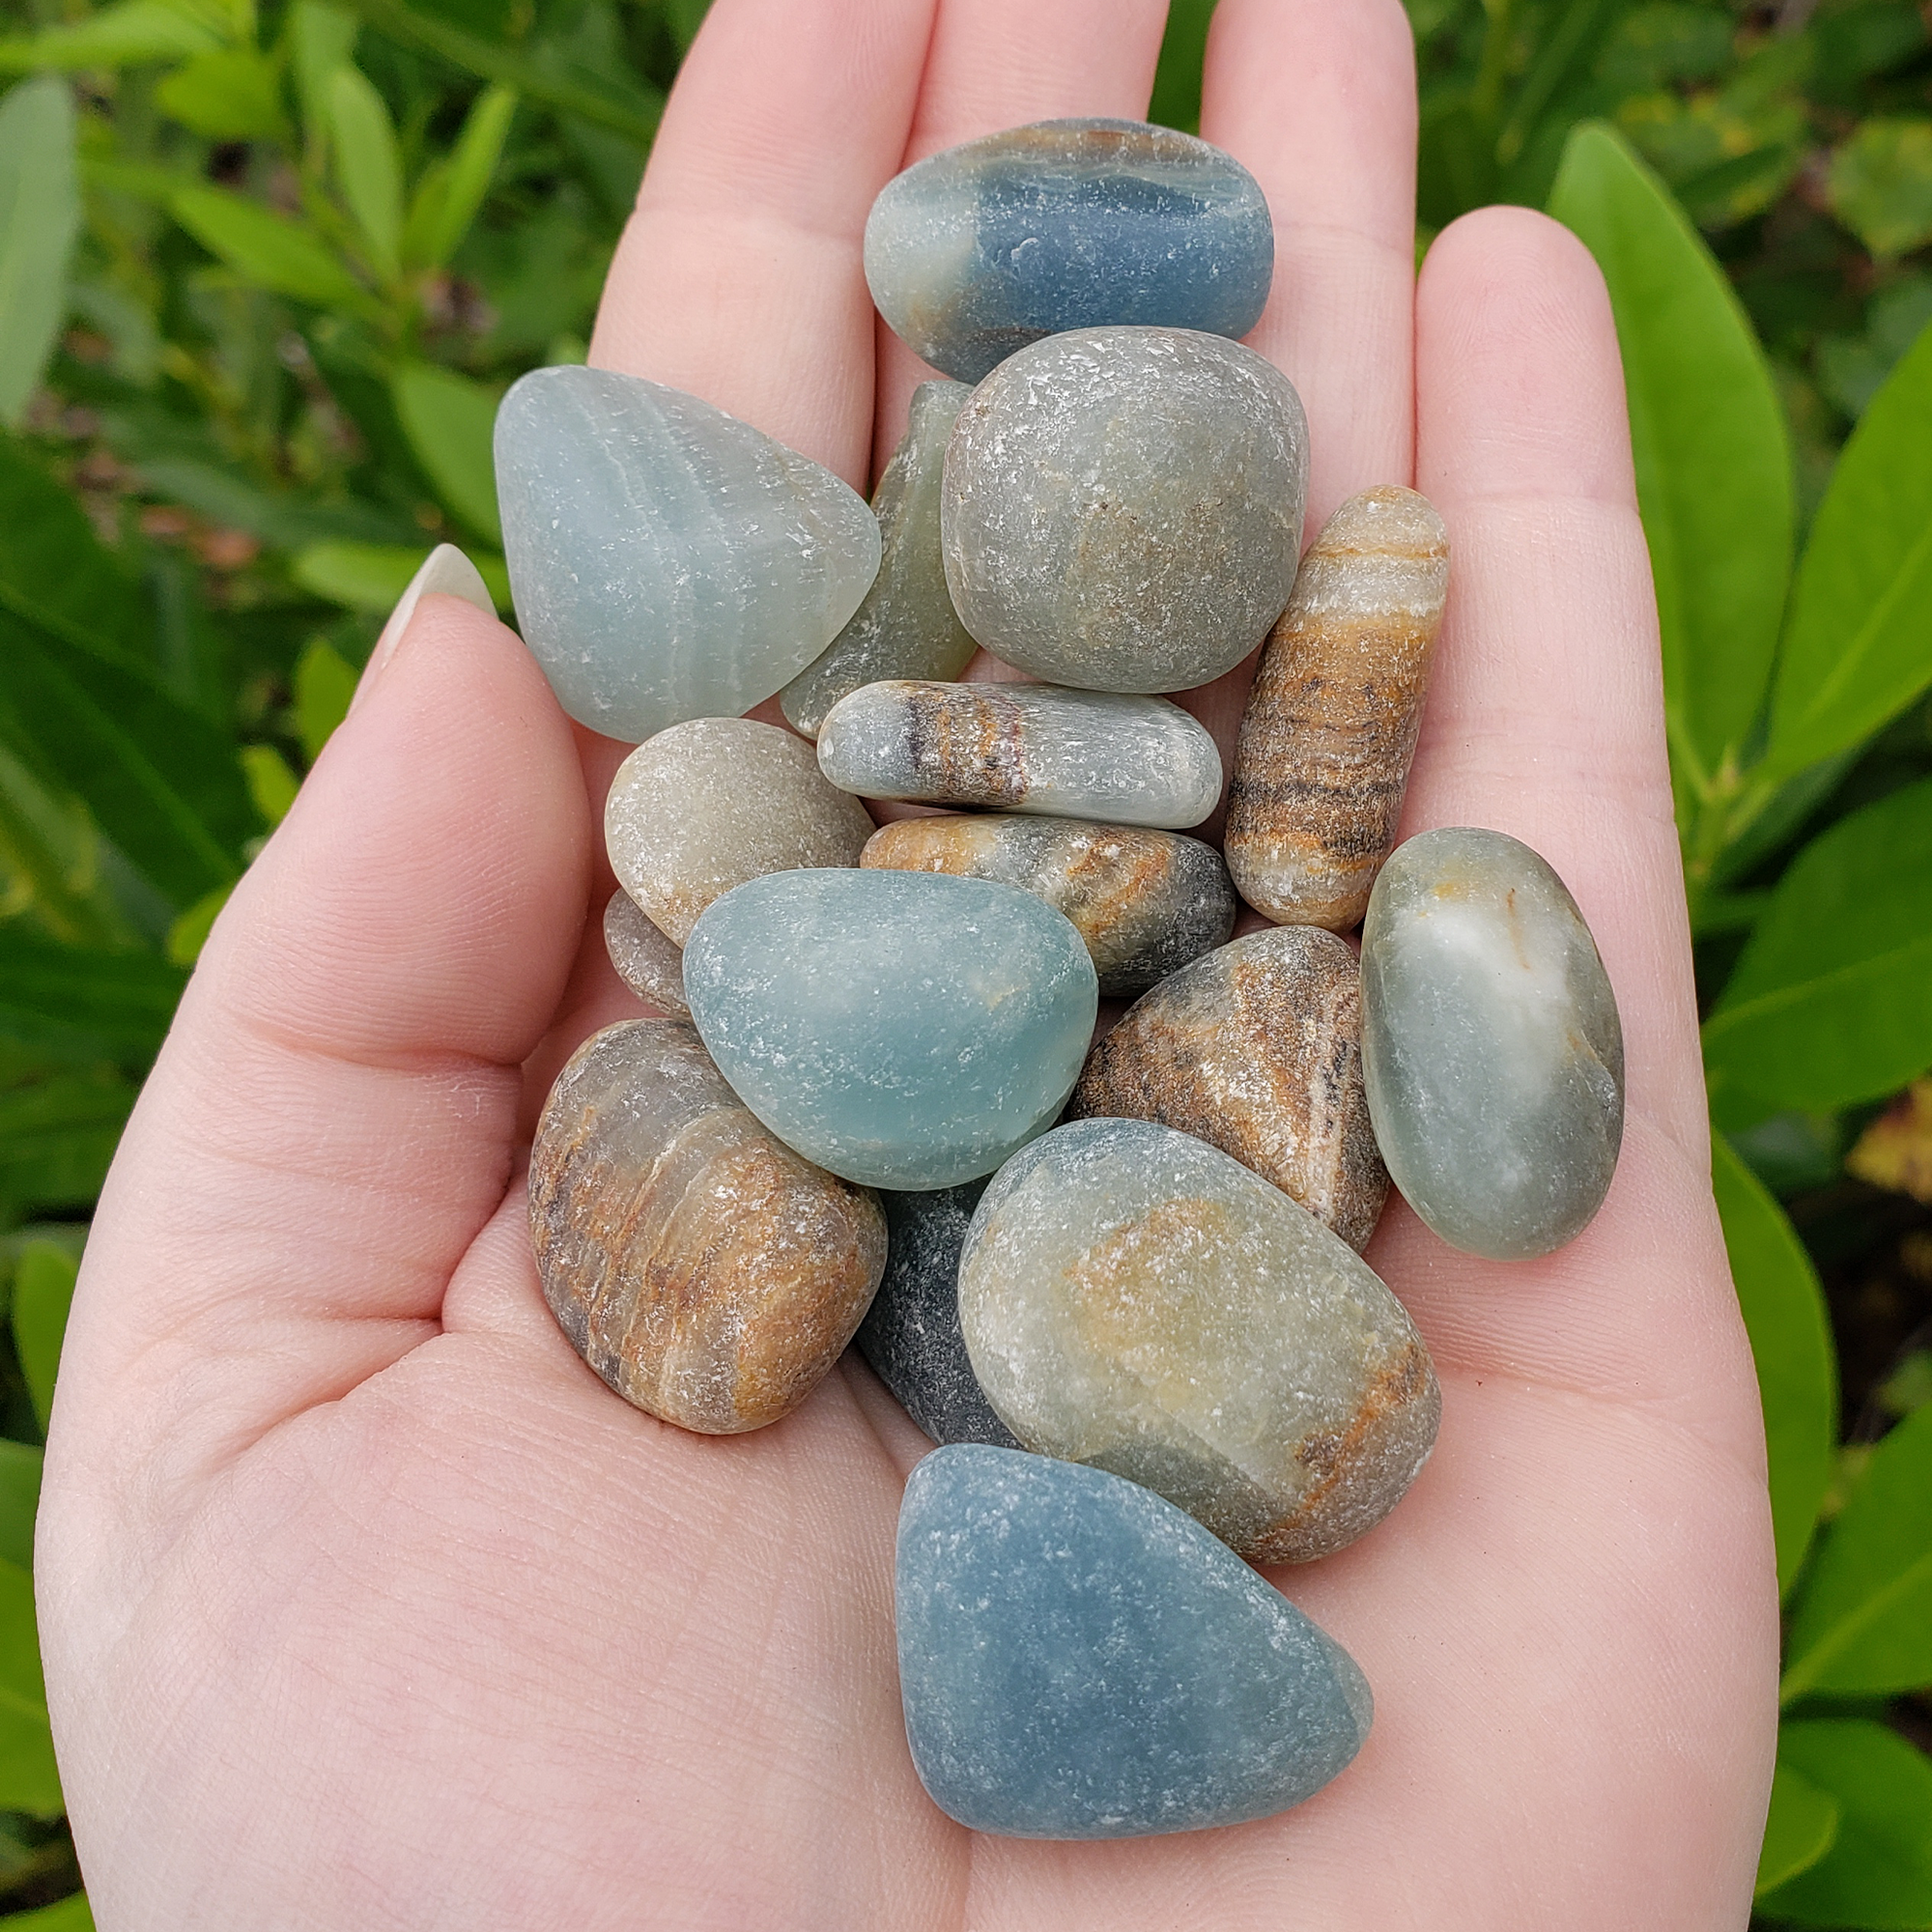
(1079, 1660)
(905, 1029)
(974, 253)
(911, 1332)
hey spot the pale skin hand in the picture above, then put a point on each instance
(365, 1605)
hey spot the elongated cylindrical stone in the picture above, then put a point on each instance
(668, 560)
(1123, 507)
(975, 252)
(707, 1273)
(1332, 718)
(1146, 902)
(911, 1332)
(903, 1029)
(1491, 1050)
(1080, 1661)
(651, 965)
(1027, 747)
(708, 804)
(1257, 1049)
(1136, 1300)
(907, 626)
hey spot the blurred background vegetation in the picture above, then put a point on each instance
(264, 270)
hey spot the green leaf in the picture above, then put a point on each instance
(1713, 468)
(1863, 1620)
(1878, 1872)
(267, 250)
(324, 685)
(69, 1914)
(1831, 999)
(188, 934)
(451, 193)
(1177, 78)
(1881, 186)
(57, 1135)
(129, 34)
(368, 169)
(50, 861)
(1856, 652)
(320, 38)
(1799, 1831)
(29, 1780)
(449, 421)
(372, 577)
(43, 1293)
(230, 95)
(20, 1500)
(40, 216)
(270, 783)
(81, 1005)
(1791, 1341)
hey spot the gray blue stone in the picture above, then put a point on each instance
(974, 253)
(905, 1029)
(1079, 1660)
(667, 561)
(1491, 1050)
(911, 1333)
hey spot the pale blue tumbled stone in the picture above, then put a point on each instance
(975, 252)
(903, 1030)
(668, 560)
(1080, 1660)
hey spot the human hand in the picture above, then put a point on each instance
(365, 1605)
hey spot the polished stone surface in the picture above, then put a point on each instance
(907, 626)
(1146, 902)
(1123, 507)
(708, 804)
(1134, 1298)
(1492, 1048)
(706, 1274)
(651, 965)
(1257, 1049)
(911, 1333)
(975, 252)
(668, 560)
(905, 1030)
(1079, 1660)
(1027, 747)
(1332, 718)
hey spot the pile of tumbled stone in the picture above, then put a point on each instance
(1149, 1343)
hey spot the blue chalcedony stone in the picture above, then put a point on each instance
(668, 562)
(974, 253)
(1080, 1660)
(902, 1029)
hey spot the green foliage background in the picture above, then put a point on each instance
(265, 271)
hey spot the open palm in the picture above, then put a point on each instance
(366, 1606)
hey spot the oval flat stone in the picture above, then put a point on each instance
(668, 560)
(1136, 1300)
(1079, 1660)
(911, 1332)
(705, 1272)
(1491, 1050)
(1026, 748)
(1257, 1049)
(706, 805)
(907, 626)
(1146, 902)
(902, 1029)
(975, 252)
(651, 965)
(1123, 507)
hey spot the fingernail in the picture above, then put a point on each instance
(446, 571)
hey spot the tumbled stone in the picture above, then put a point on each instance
(911, 1332)
(1123, 507)
(667, 561)
(704, 1271)
(1023, 748)
(1491, 1050)
(905, 1030)
(651, 965)
(975, 252)
(1146, 902)
(708, 804)
(1331, 720)
(1257, 1049)
(1079, 1660)
(907, 626)
(1134, 1298)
